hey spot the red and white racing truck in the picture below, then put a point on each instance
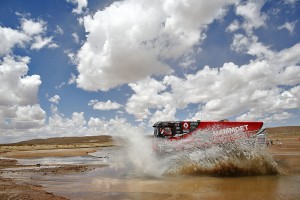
(203, 134)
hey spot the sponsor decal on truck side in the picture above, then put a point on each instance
(231, 133)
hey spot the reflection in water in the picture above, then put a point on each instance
(95, 185)
(205, 187)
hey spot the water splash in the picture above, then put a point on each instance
(199, 155)
(141, 156)
(220, 161)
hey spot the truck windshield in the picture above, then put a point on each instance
(162, 131)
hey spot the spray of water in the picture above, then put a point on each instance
(202, 155)
(140, 153)
(198, 155)
(223, 160)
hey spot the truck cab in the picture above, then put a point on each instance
(169, 129)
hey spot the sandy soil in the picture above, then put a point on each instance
(285, 150)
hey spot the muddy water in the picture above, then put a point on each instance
(90, 186)
(125, 178)
(267, 187)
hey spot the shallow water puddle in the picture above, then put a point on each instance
(98, 184)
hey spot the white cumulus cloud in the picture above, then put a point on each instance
(248, 92)
(75, 37)
(30, 33)
(131, 40)
(19, 108)
(31, 27)
(233, 26)
(81, 4)
(108, 105)
(11, 38)
(289, 26)
(55, 99)
(251, 12)
(149, 94)
(61, 125)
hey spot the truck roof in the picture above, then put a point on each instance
(171, 122)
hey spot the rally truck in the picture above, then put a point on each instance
(203, 134)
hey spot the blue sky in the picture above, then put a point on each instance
(79, 67)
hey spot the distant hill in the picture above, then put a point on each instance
(284, 130)
(65, 140)
(106, 138)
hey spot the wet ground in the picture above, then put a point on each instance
(130, 170)
(113, 174)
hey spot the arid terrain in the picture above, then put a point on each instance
(286, 147)
(52, 147)
(285, 151)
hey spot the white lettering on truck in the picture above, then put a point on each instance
(237, 129)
